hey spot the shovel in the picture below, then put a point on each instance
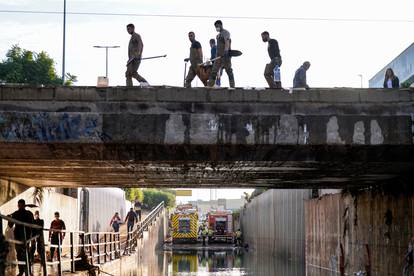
(132, 59)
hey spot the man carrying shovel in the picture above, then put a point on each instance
(196, 57)
(223, 55)
(135, 48)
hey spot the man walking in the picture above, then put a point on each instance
(138, 207)
(39, 242)
(22, 234)
(135, 49)
(196, 57)
(275, 60)
(223, 51)
(56, 235)
(299, 81)
(131, 218)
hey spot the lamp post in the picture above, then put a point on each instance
(360, 75)
(106, 52)
(64, 42)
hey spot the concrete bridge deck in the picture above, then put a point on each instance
(168, 136)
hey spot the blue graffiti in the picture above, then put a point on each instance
(50, 127)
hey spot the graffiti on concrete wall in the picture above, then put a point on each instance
(50, 127)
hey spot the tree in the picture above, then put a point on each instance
(153, 197)
(132, 194)
(24, 66)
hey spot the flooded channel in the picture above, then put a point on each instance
(226, 262)
(217, 261)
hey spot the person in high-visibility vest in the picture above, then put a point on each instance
(238, 240)
(210, 235)
(204, 234)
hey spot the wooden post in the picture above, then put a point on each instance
(98, 249)
(105, 251)
(43, 258)
(83, 242)
(26, 252)
(90, 247)
(72, 253)
(59, 255)
(119, 245)
(110, 246)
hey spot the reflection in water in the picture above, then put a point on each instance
(230, 262)
(220, 261)
(205, 262)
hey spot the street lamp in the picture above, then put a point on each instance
(360, 75)
(106, 51)
(64, 42)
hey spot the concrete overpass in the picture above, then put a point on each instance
(176, 137)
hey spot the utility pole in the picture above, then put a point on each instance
(106, 52)
(64, 42)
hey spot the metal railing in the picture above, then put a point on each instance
(99, 247)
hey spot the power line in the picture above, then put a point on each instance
(216, 16)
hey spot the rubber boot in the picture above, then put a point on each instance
(231, 79)
(278, 85)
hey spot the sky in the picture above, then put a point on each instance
(339, 50)
(341, 39)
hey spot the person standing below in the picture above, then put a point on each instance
(391, 80)
(196, 57)
(223, 51)
(275, 60)
(115, 222)
(56, 235)
(39, 242)
(131, 218)
(299, 81)
(137, 208)
(213, 49)
(135, 49)
(22, 233)
(213, 52)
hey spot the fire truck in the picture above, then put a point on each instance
(221, 222)
(184, 222)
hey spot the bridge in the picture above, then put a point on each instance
(177, 137)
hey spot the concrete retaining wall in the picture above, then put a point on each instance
(273, 225)
(373, 228)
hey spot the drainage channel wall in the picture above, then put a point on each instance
(368, 231)
(273, 225)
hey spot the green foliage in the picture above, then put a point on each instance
(27, 67)
(257, 192)
(153, 197)
(405, 84)
(70, 79)
(132, 194)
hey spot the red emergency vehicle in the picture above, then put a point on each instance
(221, 222)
